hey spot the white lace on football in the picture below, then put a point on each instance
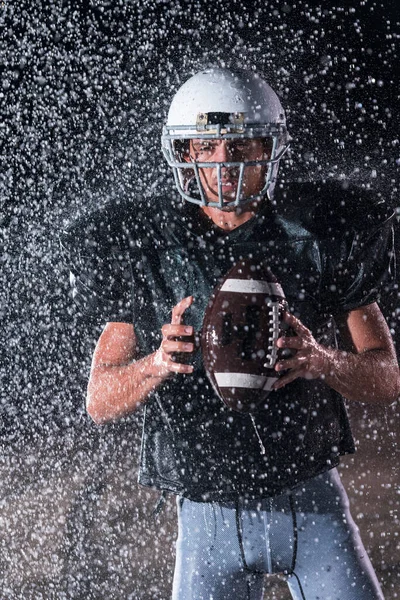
(272, 355)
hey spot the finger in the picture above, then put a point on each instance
(180, 368)
(282, 381)
(170, 346)
(290, 342)
(295, 323)
(169, 330)
(165, 364)
(179, 309)
(291, 363)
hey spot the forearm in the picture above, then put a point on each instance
(116, 391)
(367, 372)
(118, 384)
(371, 376)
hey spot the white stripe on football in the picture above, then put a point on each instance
(252, 286)
(245, 380)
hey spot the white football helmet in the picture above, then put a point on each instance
(223, 104)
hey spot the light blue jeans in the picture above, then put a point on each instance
(224, 549)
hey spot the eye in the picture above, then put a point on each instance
(240, 145)
(204, 147)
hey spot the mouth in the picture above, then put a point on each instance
(228, 187)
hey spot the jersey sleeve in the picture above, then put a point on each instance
(360, 268)
(100, 273)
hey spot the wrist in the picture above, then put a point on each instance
(330, 357)
(154, 366)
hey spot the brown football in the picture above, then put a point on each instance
(241, 324)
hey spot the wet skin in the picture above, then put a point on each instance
(222, 151)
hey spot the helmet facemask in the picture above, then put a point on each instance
(186, 168)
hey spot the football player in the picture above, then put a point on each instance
(244, 510)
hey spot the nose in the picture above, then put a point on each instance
(223, 152)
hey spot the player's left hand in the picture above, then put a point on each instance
(310, 360)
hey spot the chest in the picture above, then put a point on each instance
(170, 275)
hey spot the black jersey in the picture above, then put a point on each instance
(135, 266)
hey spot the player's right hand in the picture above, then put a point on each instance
(172, 344)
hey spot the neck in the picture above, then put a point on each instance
(230, 220)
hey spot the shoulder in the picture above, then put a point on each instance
(113, 226)
(333, 209)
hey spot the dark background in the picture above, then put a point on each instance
(84, 91)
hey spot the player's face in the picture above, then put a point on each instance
(225, 151)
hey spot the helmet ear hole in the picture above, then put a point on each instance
(181, 150)
(189, 183)
(268, 144)
(187, 178)
(192, 188)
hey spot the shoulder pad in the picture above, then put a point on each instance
(324, 207)
(108, 225)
